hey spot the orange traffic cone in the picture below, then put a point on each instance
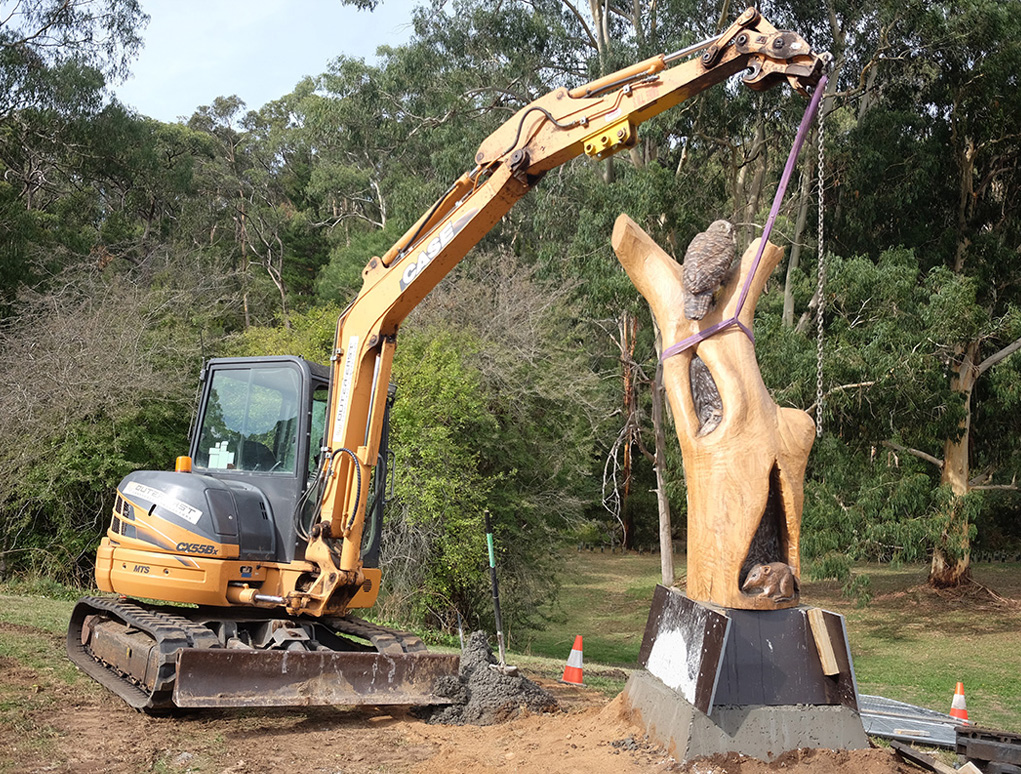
(958, 709)
(572, 672)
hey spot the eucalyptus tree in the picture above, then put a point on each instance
(46, 44)
(927, 157)
(55, 58)
(256, 208)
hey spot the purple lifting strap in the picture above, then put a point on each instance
(806, 121)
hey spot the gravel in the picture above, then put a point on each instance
(484, 696)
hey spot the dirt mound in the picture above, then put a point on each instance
(483, 695)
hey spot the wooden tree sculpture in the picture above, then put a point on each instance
(744, 456)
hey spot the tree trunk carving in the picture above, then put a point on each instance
(744, 468)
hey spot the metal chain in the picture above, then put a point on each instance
(820, 294)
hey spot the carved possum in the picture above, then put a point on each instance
(775, 580)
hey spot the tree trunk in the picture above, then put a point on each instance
(805, 197)
(242, 237)
(666, 541)
(746, 476)
(628, 328)
(951, 556)
(752, 190)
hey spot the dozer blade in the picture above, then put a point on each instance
(281, 678)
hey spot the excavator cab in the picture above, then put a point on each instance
(251, 416)
(260, 422)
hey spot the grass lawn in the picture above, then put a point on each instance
(913, 644)
(605, 598)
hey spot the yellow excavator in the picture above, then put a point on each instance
(267, 535)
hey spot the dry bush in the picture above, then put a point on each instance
(98, 372)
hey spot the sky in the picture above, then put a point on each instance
(197, 50)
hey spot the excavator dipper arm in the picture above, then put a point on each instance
(598, 119)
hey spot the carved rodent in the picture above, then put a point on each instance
(774, 580)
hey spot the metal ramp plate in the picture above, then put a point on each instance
(891, 719)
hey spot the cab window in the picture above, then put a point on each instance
(251, 421)
(317, 436)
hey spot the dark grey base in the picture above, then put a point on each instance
(763, 732)
(713, 655)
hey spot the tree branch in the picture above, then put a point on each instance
(982, 480)
(993, 359)
(584, 24)
(39, 33)
(914, 453)
(839, 388)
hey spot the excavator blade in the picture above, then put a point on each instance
(281, 678)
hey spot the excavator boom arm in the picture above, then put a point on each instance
(598, 119)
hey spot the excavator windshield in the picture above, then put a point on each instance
(251, 421)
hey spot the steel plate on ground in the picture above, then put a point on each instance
(280, 678)
(892, 719)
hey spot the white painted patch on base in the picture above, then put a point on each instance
(671, 661)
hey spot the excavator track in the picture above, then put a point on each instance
(383, 639)
(131, 649)
(156, 658)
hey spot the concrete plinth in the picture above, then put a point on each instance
(759, 683)
(763, 732)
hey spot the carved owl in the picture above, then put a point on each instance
(706, 265)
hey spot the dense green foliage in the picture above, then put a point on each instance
(130, 250)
